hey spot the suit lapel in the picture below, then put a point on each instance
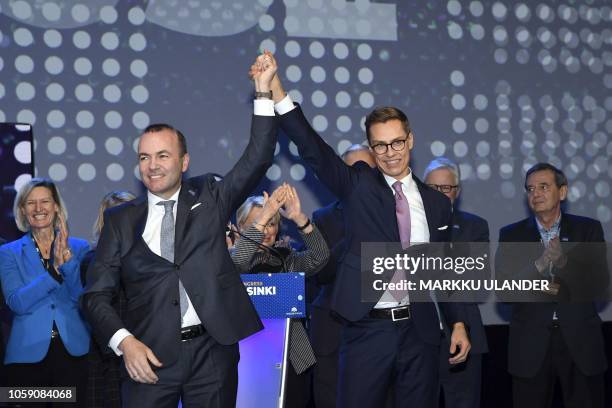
(532, 233)
(387, 200)
(432, 220)
(187, 198)
(141, 211)
(565, 229)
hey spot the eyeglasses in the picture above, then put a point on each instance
(543, 188)
(397, 145)
(443, 188)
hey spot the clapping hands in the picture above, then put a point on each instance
(61, 249)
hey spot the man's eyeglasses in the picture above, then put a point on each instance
(397, 145)
(443, 188)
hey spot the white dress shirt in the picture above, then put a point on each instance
(152, 237)
(419, 229)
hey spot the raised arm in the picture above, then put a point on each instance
(328, 166)
(259, 153)
(245, 248)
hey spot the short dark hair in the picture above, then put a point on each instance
(560, 178)
(158, 127)
(384, 114)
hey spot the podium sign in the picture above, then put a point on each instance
(276, 297)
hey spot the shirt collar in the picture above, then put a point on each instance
(154, 199)
(552, 231)
(406, 181)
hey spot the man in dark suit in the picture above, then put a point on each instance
(325, 330)
(560, 338)
(388, 343)
(187, 307)
(460, 384)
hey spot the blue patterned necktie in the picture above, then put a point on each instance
(167, 247)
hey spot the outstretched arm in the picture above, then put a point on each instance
(259, 153)
(324, 161)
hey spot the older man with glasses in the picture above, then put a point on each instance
(460, 384)
(556, 337)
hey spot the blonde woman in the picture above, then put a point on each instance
(41, 284)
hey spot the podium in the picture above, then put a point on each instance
(262, 370)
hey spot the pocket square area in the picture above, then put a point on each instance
(442, 228)
(196, 205)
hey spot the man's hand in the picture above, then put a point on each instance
(263, 71)
(137, 356)
(555, 254)
(459, 339)
(278, 93)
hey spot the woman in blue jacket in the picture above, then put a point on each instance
(40, 277)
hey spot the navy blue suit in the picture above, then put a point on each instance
(201, 260)
(574, 341)
(461, 383)
(376, 353)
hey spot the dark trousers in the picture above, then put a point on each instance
(325, 380)
(578, 390)
(204, 375)
(57, 369)
(377, 355)
(297, 389)
(460, 383)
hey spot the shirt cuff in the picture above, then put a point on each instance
(284, 106)
(117, 339)
(263, 107)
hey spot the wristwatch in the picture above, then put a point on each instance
(267, 95)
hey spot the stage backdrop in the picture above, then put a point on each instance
(495, 85)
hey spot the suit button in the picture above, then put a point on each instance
(52, 306)
(177, 267)
(175, 302)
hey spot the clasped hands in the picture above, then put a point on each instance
(552, 255)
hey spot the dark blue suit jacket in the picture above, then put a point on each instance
(530, 322)
(467, 227)
(201, 260)
(369, 216)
